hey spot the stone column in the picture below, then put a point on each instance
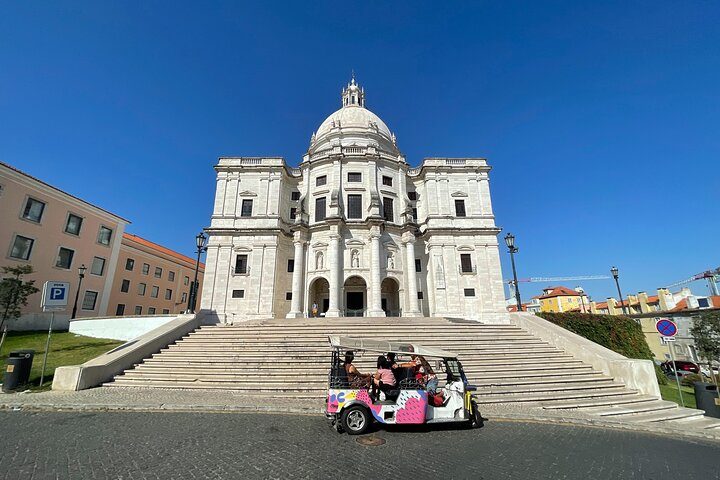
(413, 304)
(374, 303)
(334, 280)
(296, 308)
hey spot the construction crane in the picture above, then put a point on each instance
(559, 279)
(712, 277)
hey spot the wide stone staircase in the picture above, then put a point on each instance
(290, 359)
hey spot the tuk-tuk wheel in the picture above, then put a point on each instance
(476, 420)
(355, 420)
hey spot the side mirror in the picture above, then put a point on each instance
(470, 388)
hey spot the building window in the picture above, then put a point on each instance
(420, 295)
(141, 289)
(320, 209)
(459, 208)
(151, 310)
(291, 265)
(89, 300)
(246, 210)
(129, 264)
(288, 295)
(418, 265)
(120, 310)
(21, 248)
(387, 181)
(138, 310)
(171, 276)
(238, 294)
(186, 281)
(321, 180)
(158, 272)
(146, 269)
(168, 294)
(184, 297)
(354, 206)
(412, 196)
(104, 236)
(388, 209)
(154, 291)
(466, 263)
(33, 210)
(354, 177)
(125, 286)
(73, 224)
(469, 292)
(165, 311)
(64, 258)
(294, 196)
(98, 266)
(414, 214)
(293, 213)
(241, 264)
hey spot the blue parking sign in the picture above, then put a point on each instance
(55, 295)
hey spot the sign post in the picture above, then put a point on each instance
(54, 298)
(668, 329)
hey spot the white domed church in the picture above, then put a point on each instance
(353, 231)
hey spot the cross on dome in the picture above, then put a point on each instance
(353, 95)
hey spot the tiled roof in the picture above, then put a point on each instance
(161, 249)
(559, 291)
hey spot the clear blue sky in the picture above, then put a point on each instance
(601, 119)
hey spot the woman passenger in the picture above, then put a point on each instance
(355, 378)
(384, 378)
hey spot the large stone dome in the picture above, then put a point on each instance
(353, 125)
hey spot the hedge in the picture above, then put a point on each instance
(616, 332)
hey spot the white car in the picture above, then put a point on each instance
(706, 371)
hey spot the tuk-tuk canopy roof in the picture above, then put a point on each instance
(382, 346)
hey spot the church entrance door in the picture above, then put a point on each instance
(355, 295)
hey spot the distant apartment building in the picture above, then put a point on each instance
(151, 279)
(562, 299)
(56, 233)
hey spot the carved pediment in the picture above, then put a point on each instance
(354, 242)
(390, 246)
(247, 193)
(465, 248)
(243, 248)
(317, 245)
(459, 194)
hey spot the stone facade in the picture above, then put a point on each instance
(354, 231)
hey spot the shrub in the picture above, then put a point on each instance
(616, 332)
(689, 380)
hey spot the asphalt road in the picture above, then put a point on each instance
(185, 445)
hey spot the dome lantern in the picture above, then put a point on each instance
(353, 94)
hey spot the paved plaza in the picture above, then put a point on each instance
(134, 445)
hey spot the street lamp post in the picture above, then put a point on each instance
(582, 300)
(614, 271)
(81, 274)
(512, 249)
(200, 240)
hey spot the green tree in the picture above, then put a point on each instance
(14, 292)
(706, 332)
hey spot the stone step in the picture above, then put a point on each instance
(630, 409)
(664, 415)
(594, 385)
(279, 349)
(582, 403)
(696, 423)
(547, 397)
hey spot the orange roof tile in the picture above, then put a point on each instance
(560, 291)
(161, 249)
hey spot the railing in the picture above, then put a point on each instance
(251, 161)
(295, 172)
(354, 313)
(414, 171)
(354, 150)
(454, 161)
(471, 271)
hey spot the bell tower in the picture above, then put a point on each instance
(353, 95)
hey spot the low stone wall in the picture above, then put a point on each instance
(119, 328)
(103, 368)
(635, 374)
(40, 321)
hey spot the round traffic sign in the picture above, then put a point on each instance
(666, 328)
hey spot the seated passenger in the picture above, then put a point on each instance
(425, 372)
(384, 378)
(355, 378)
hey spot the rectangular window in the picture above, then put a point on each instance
(294, 196)
(129, 264)
(33, 210)
(354, 177)
(184, 297)
(388, 209)
(241, 264)
(73, 224)
(246, 210)
(354, 206)
(158, 272)
(466, 263)
(414, 214)
(98, 266)
(138, 310)
(21, 248)
(459, 208)
(238, 294)
(387, 181)
(418, 265)
(293, 213)
(168, 294)
(104, 235)
(125, 286)
(165, 311)
(89, 300)
(321, 180)
(186, 281)
(291, 265)
(141, 289)
(420, 295)
(151, 311)
(64, 258)
(120, 310)
(412, 196)
(288, 295)
(171, 276)
(154, 291)
(320, 209)
(469, 292)
(146, 269)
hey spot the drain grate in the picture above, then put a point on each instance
(370, 441)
